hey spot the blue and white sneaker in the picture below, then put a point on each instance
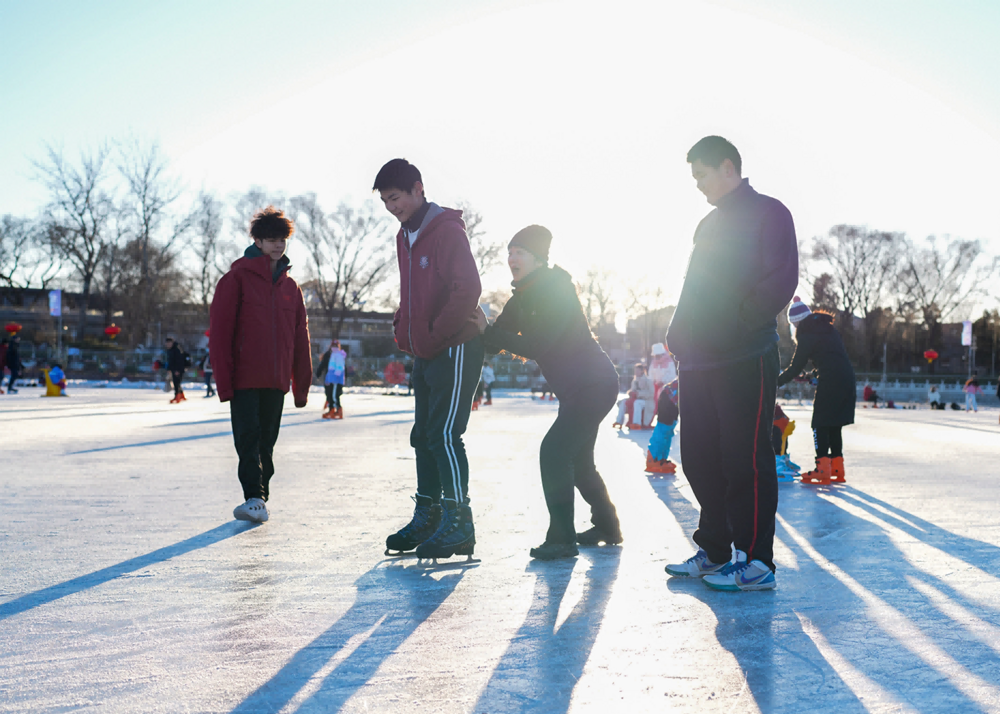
(741, 575)
(695, 566)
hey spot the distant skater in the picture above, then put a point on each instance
(972, 389)
(817, 340)
(177, 361)
(259, 341)
(206, 368)
(543, 321)
(332, 369)
(439, 293)
(724, 333)
(13, 363)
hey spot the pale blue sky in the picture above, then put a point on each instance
(573, 114)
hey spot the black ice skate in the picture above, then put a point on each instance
(426, 520)
(456, 536)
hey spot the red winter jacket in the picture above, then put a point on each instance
(439, 286)
(259, 333)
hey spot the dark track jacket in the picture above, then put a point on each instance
(543, 321)
(259, 333)
(439, 286)
(743, 270)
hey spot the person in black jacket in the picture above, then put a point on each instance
(13, 360)
(817, 339)
(177, 361)
(543, 321)
(724, 333)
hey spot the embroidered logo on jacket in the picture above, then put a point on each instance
(424, 262)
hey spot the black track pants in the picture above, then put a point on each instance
(726, 419)
(256, 416)
(177, 379)
(443, 388)
(829, 441)
(567, 461)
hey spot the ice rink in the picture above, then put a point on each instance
(127, 587)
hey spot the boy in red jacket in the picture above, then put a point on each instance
(259, 341)
(439, 299)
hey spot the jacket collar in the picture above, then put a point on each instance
(284, 264)
(736, 195)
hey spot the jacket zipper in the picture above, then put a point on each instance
(274, 336)
(409, 290)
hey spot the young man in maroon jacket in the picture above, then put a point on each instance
(439, 299)
(259, 341)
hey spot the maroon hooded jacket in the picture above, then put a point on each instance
(259, 334)
(439, 286)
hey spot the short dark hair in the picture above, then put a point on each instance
(271, 224)
(399, 174)
(713, 150)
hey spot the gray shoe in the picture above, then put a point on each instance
(254, 510)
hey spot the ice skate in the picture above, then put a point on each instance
(554, 551)
(786, 474)
(456, 534)
(254, 510)
(338, 413)
(596, 536)
(425, 522)
(837, 470)
(820, 475)
(475, 406)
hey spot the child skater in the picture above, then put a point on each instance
(332, 368)
(543, 321)
(971, 389)
(817, 339)
(658, 455)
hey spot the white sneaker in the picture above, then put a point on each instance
(254, 510)
(695, 566)
(741, 575)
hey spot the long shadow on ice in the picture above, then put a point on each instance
(783, 670)
(391, 601)
(852, 593)
(542, 665)
(99, 577)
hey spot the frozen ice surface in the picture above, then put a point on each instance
(127, 587)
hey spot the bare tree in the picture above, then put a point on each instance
(349, 255)
(26, 257)
(489, 253)
(206, 221)
(75, 219)
(862, 264)
(597, 297)
(942, 276)
(647, 309)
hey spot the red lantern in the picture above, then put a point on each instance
(930, 356)
(112, 330)
(12, 328)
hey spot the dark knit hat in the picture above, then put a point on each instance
(535, 240)
(798, 311)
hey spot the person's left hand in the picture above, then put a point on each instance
(300, 404)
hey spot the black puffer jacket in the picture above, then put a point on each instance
(543, 321)
(818, 340)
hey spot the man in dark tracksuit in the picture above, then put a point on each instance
(436, 323)
(743, 271)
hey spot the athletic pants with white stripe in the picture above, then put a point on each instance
(726, 453)
(443, 389)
